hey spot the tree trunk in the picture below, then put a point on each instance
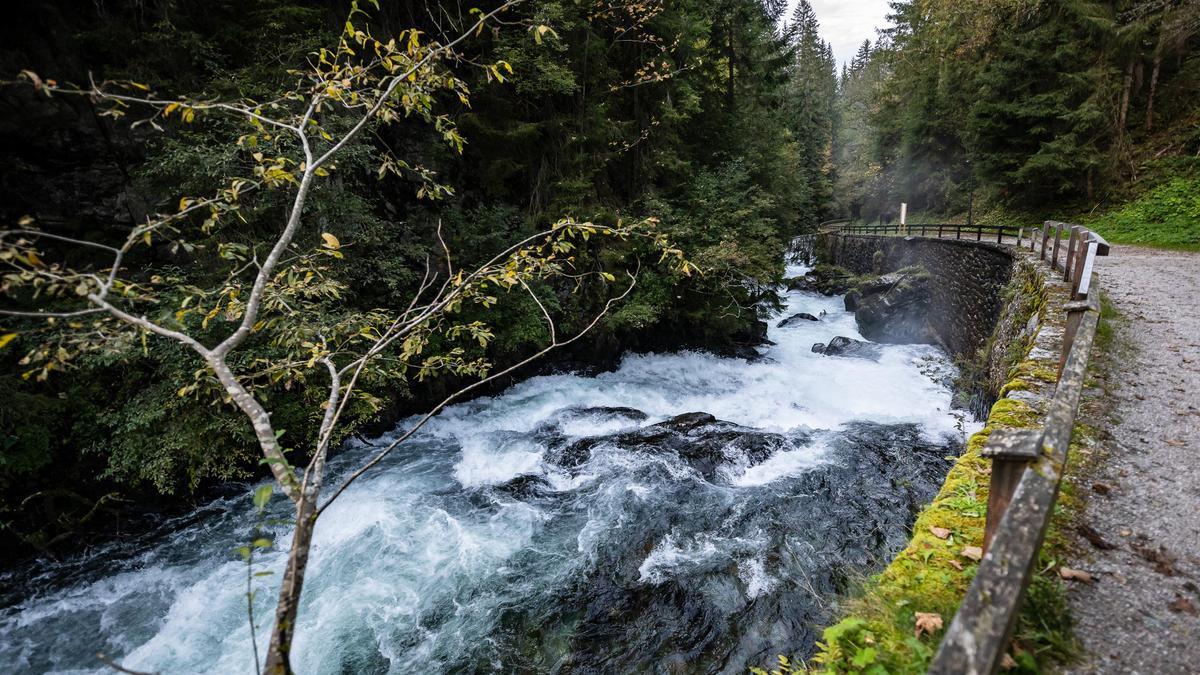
(278, 655)
(1153, 86)
(1124, 113)
(729, 55)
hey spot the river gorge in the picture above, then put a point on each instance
(682, 513)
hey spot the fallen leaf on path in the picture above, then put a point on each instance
(956, 565)
(1094, 537)
(939, 532)
(1176, 442)
(1074, 575)
(1182, 605)
(973, 552)
(928, 622)
(1164, 560)
(1101, 488)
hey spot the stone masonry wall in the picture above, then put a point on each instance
(967, 279)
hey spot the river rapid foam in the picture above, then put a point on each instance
(569, 524)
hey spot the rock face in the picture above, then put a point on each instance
(894, 308)
(848, 347)
(796, 318)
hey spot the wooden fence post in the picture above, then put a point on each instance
(1045, 237)
(1011, 450)
(1057, 241)
(1072, 243)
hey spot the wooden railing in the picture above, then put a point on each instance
(1027, 464)
(939, 230)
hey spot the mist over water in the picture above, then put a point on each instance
(568, 524)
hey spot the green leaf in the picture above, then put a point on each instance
(262, 495)
(864, 657)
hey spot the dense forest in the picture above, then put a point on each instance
(715, 119)
(1026, 107)
(727, 122)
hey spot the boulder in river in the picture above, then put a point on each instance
(853, 296)
(796, 318)
(849, 347)
(895, 308)
(698, 439)
(798, 283)
(825, 279)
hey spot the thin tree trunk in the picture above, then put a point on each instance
(279, 653)
(729, 94)
(1125, 92)
(1153, 87)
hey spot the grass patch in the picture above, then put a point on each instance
(1167, 216)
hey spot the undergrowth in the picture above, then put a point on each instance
(1167, 216)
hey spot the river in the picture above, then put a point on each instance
(568, 524)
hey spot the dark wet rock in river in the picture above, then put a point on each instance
(853, 296)
(525, 486)
(849, 347)
(798, 283)
(698, 439)
(895, 308)
(796, 318)
(686, 422)
(818, 348)
(711, 587)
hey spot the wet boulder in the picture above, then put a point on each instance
(697, 439)
(853, 297)
(525, 486)
(849, 347)
(796, 318)
(819, 348)
(686, 422)
(894, 308)
(798, 283)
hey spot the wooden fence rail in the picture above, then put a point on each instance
(1027, 464)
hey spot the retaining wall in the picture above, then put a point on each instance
(967, 279)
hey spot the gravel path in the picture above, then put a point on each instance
(1143, 501)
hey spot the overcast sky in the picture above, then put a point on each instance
(846, 23)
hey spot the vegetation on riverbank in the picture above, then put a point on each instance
(704, 116)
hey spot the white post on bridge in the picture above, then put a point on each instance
(904, 216)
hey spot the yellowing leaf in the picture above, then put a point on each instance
(331, 241)
(1074, 575)
(7, 338)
